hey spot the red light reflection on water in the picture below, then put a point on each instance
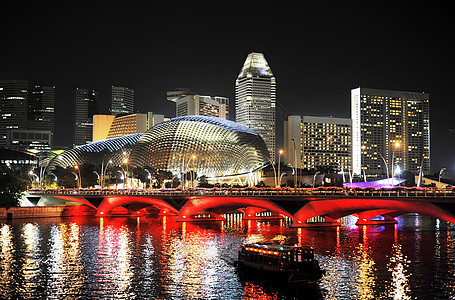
(118, 257)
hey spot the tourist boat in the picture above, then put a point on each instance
(280, 262)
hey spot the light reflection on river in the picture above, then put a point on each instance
(158, 258)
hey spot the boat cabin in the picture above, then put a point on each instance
(279, 257)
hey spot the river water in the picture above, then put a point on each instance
(158, 258)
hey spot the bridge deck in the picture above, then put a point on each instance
(335, 193)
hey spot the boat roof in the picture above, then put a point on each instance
(274, 247)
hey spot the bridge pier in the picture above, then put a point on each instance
(201, 217)
(250, 213)
(365, 219)
(327, 222)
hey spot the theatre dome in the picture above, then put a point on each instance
(114, 150)
(209, 146)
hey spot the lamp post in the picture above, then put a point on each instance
(185, 170)
(440, 172)
(149, 177)
(103, 171)
(395, 146)
(295, 164)
(386, 166)
(76, 178)
(125, 161)
(314, 178)
(122, 177)
(55, 177)
(274, 170)
(42, 172)
(30, 175)
(278, 180)
(98, 177)
(80, 178)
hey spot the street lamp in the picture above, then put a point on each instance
(440, 172)
(80, 178)
(103, 171)
(395, 146)
(278, 180)
(98, 177)
(274, 170)
(75, 177)
(295, 164)
(149, 177)
(30, 175)
(314, 178)
(122, 175)
(185, 170)
(55, 177)
(125, 161)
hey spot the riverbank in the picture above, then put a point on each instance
(45, 212)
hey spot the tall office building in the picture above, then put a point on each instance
(188, 103)
(41, 108)
(86, 102)
(122, 100)
(317, 142)
(390, 131)
(13, 106)
(255, 99)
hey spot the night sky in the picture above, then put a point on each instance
(317, 52)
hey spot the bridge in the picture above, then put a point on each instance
(301, 205)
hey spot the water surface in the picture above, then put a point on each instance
(158, 258)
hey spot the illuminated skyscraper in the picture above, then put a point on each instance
(317, 142)
(390, 131)
(86, 102)
(13, 106)
(41, 108)
(255, 99)
(122, 100)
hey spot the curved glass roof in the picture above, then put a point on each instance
(115, 149)
(210, 146)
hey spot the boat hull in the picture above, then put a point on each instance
(277, 275)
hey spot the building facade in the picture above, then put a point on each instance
(86, 103)
(390, 131)
(13, 106)
(317, 143)
(255, 99)
(122, 100)
(29, 139)
(41, 109)
(188, 103)
(109, 126)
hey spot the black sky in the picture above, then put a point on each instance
(317, 52)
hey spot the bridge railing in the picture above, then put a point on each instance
(339, 192)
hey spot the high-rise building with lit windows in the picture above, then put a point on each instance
(317, 142)
(188, 103)
(86, 102)
(13, 106)
(390, 131)
(41, 108)
(122, 100)
(255, 99)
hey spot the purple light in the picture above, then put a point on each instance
(383, 183)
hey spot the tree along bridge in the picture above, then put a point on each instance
(301, 205)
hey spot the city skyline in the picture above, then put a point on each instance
(317, 56)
